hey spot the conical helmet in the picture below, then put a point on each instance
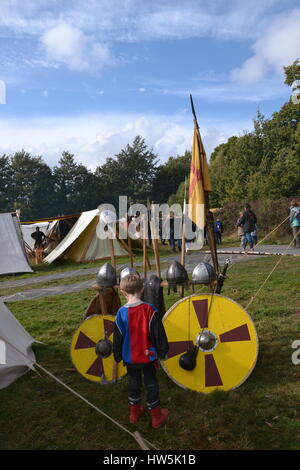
(107, 276)
(203, 273)
(128, 271)
(177, 274)
(104, 348)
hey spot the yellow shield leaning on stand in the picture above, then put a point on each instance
(229, 355)
(83, 350)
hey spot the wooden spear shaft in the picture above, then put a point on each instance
(155, 244)
(144, 243)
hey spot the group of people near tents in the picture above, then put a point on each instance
(247, 225)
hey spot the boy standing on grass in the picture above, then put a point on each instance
(139, 339)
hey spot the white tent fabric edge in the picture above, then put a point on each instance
(12, 252)
(18, 357)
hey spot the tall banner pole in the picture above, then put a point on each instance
(208, 214)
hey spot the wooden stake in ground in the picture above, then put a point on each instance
(112, 252)
(130, 250)
(183, 245)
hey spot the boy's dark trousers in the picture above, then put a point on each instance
(135, 384)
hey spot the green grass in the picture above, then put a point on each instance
(263, 413)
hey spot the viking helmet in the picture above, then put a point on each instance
(106, 276)
(128, 271)
(177, 274)
(203, 273)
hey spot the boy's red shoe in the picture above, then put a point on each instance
(159, 416)
(135, 413)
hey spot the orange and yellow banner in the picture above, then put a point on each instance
(199, 182)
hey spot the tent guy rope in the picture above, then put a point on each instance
(136, 435)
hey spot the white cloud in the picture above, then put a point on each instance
(2, 92)
(69, 46)
(133, 20)
(227, 91)
(278, 46)
(93, 138)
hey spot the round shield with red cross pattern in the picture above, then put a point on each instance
(219, 337)
(91, 350)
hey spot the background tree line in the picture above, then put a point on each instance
(29, 184)
(262, 165)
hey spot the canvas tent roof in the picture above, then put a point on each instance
(16, 356)
(12, 252)
(82, 243)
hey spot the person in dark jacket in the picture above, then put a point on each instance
(139, 340)
(248, 221)
(218, 229)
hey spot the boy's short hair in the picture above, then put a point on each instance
(131, 284)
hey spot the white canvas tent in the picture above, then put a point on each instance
(82, 244)
(16, 354)
(13, 257)
(28, 229)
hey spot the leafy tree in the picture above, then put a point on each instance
(74, 186)
(6, 178)
(259, 164)
(292, 72)
(169, 176)
(130, 173)
(32, 186)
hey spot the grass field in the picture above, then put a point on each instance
(263, 413)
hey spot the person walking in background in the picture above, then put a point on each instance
(248, 221)
(295, 222)
(240, 230)
(218, 229)
(39, 238)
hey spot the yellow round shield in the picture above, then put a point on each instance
(219, 336)
(84, 355)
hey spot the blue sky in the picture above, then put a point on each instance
(89, 76)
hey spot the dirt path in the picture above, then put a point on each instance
(234, 254)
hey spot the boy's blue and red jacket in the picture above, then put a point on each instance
(137, 329)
